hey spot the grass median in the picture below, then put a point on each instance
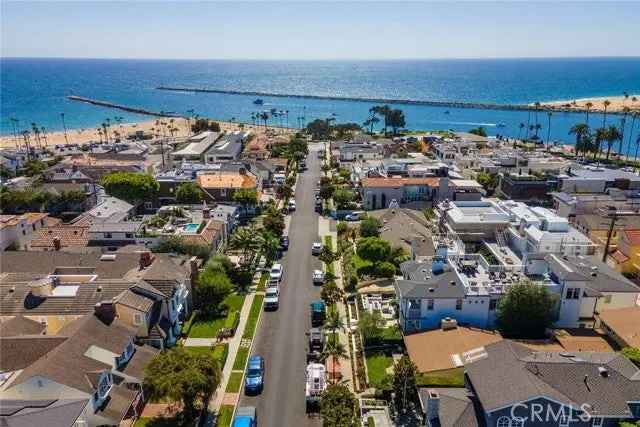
(225, 413)
(254, 314)
(235, 382)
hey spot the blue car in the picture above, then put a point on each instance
(246, 416)
(284, 243)
(254, 379)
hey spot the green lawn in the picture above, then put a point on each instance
(262, 284)
(377, 364)
(446, 378)
(235, 381)
(241, 359)
(198, 327)
(224, 416)
(359, 263)
(252, 320)
(220, 352)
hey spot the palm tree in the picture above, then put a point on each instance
(269, 245)
(549, 115)
(336, 350)
(44, 135)
(537, 105)
(601, 135)
(27, 142)
(64, 126)
(634, 116)
(623, 123)
(334, 323)
(244, 240)
(606, 104)
(522, 125)
(580, 130)
(613, 135)
(588, 107)
(264, 116)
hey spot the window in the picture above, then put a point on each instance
(414, 304)
(493, 304)
(108, 235)
(573, 293)
(128, 235)
(104, 385)
(137, 319)
(597, 421)
(503, 422)
(430, 304)
(459, 304)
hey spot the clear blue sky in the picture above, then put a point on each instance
(306, 30)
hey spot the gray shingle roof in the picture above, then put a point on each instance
(437, 287)
(50, 413)
(602, 279)
(511, 373)
(456, 408)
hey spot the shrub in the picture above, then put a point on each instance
(385, 269)
(632, 354)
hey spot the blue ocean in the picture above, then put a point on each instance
(35, 90)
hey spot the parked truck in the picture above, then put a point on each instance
(316, 344)
(318, 313)
(316, 385)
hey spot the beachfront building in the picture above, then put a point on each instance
(350, 152)
(195, 147)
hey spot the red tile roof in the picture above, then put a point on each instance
(619, 257)
(397, 182)
(70, 235)
(632, 236)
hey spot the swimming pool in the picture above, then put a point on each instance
(190, 228)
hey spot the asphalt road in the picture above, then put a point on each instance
(281, 337)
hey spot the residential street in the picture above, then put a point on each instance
(281, 338)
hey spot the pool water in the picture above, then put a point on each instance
(191, 228)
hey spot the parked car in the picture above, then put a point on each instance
(246, 416)
(292, 205)
(315, 344)
(316, 248)
(254, 378)
(284, 243)
(318, 313)
(271, 298)
(354, 216)
(275, 275)
(318, 277)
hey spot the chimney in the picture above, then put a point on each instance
(433, 404)
(145, 259)
(105, 311)
(57, 244)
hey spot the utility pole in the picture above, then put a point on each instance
(64, 126)
(613, 213)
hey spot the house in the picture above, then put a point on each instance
(473, 220)
(597, 226)
(359, 152)
(17, 230)
(626, 258)
(569, 205)
(226, 148)
(60, 237)
(56, 288)
(108, 209)
(406, 228)
(66, 206)
(114, 234)
(591, 179)
(213, 234)
(196, 147)
(510, 385)
(524, 187)
(622, 325)
(94, 366)
(222, 187)
(378, 193)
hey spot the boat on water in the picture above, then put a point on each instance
(258, 101)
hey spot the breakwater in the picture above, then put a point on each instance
(445, 104)
(121, 107)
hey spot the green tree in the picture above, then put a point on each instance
(613, 135)
(343, 197)
(189, 193)
(181, 376)
(213, 287)
(338, 407)
(371, 325)
(384, 111)
(34, 167)
(525, 311)
(284, 191)
(319, 129)
(346, 130)
(489, 181)
(581, 131)
(202, 125)
(327, 255)
(374, 249)
(269, 245)
(370, 227)
(246, 197)
(21, 201)
(404, 382)
(341, 227)
(480, 131)
(244, 239)
(385, 269)
(396, 120)
(331, 293)
(130, 186)
(221, 263)
(326, 190)
(334, 323)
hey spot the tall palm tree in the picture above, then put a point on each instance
(44, 135)
(334, 323)
(580, 130)
(613, 135)
(244, 240)
(264, 116)
(64, 126)
(522, 125)
(27, 142)
(336, 350)
(588, 107)
(269, 245)
(606, 104)
(537, 105)
(601, 135)
(623, 123)
(549, 115)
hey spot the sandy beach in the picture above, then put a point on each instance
(81, 136)
(618, 103)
